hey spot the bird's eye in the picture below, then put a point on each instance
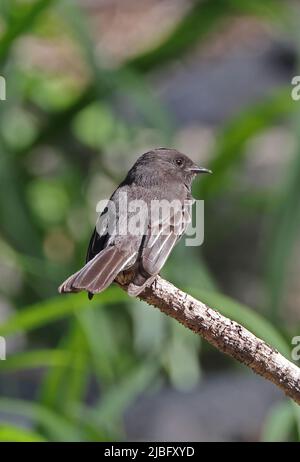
(179, 162)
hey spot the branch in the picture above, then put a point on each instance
(228, 336)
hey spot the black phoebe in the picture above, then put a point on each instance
(159, 187)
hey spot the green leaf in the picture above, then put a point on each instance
(123, 79)
(202, 18)
(150, 328)
(9, 433)
(48, 199)
(15, 213)
(70, 379)
(284, 232)
(199, 20)
(296, 411)
(181, 357)
(118, 398)
(195, 273)
(279, 423)
(42, 313)
(58, 428)
(21, 25)
(33, 359)
(230, 148)
(100, 334)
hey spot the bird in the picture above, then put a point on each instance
(131, 232)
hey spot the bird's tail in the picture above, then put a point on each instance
(98, 273)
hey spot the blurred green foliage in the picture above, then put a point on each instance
(54, 132)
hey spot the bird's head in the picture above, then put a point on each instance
(168, 163)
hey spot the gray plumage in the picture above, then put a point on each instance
(158, 175)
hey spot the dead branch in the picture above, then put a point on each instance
(228, 336)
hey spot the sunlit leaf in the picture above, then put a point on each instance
(58, 428)
(9, 433)
(35, 359)
(59, 307)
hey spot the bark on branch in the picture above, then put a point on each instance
(228, 336)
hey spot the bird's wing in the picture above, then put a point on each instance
(157, 246)
(162, 236)
(99, 237)
(109, 222)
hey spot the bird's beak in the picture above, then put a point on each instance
(195, 169)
